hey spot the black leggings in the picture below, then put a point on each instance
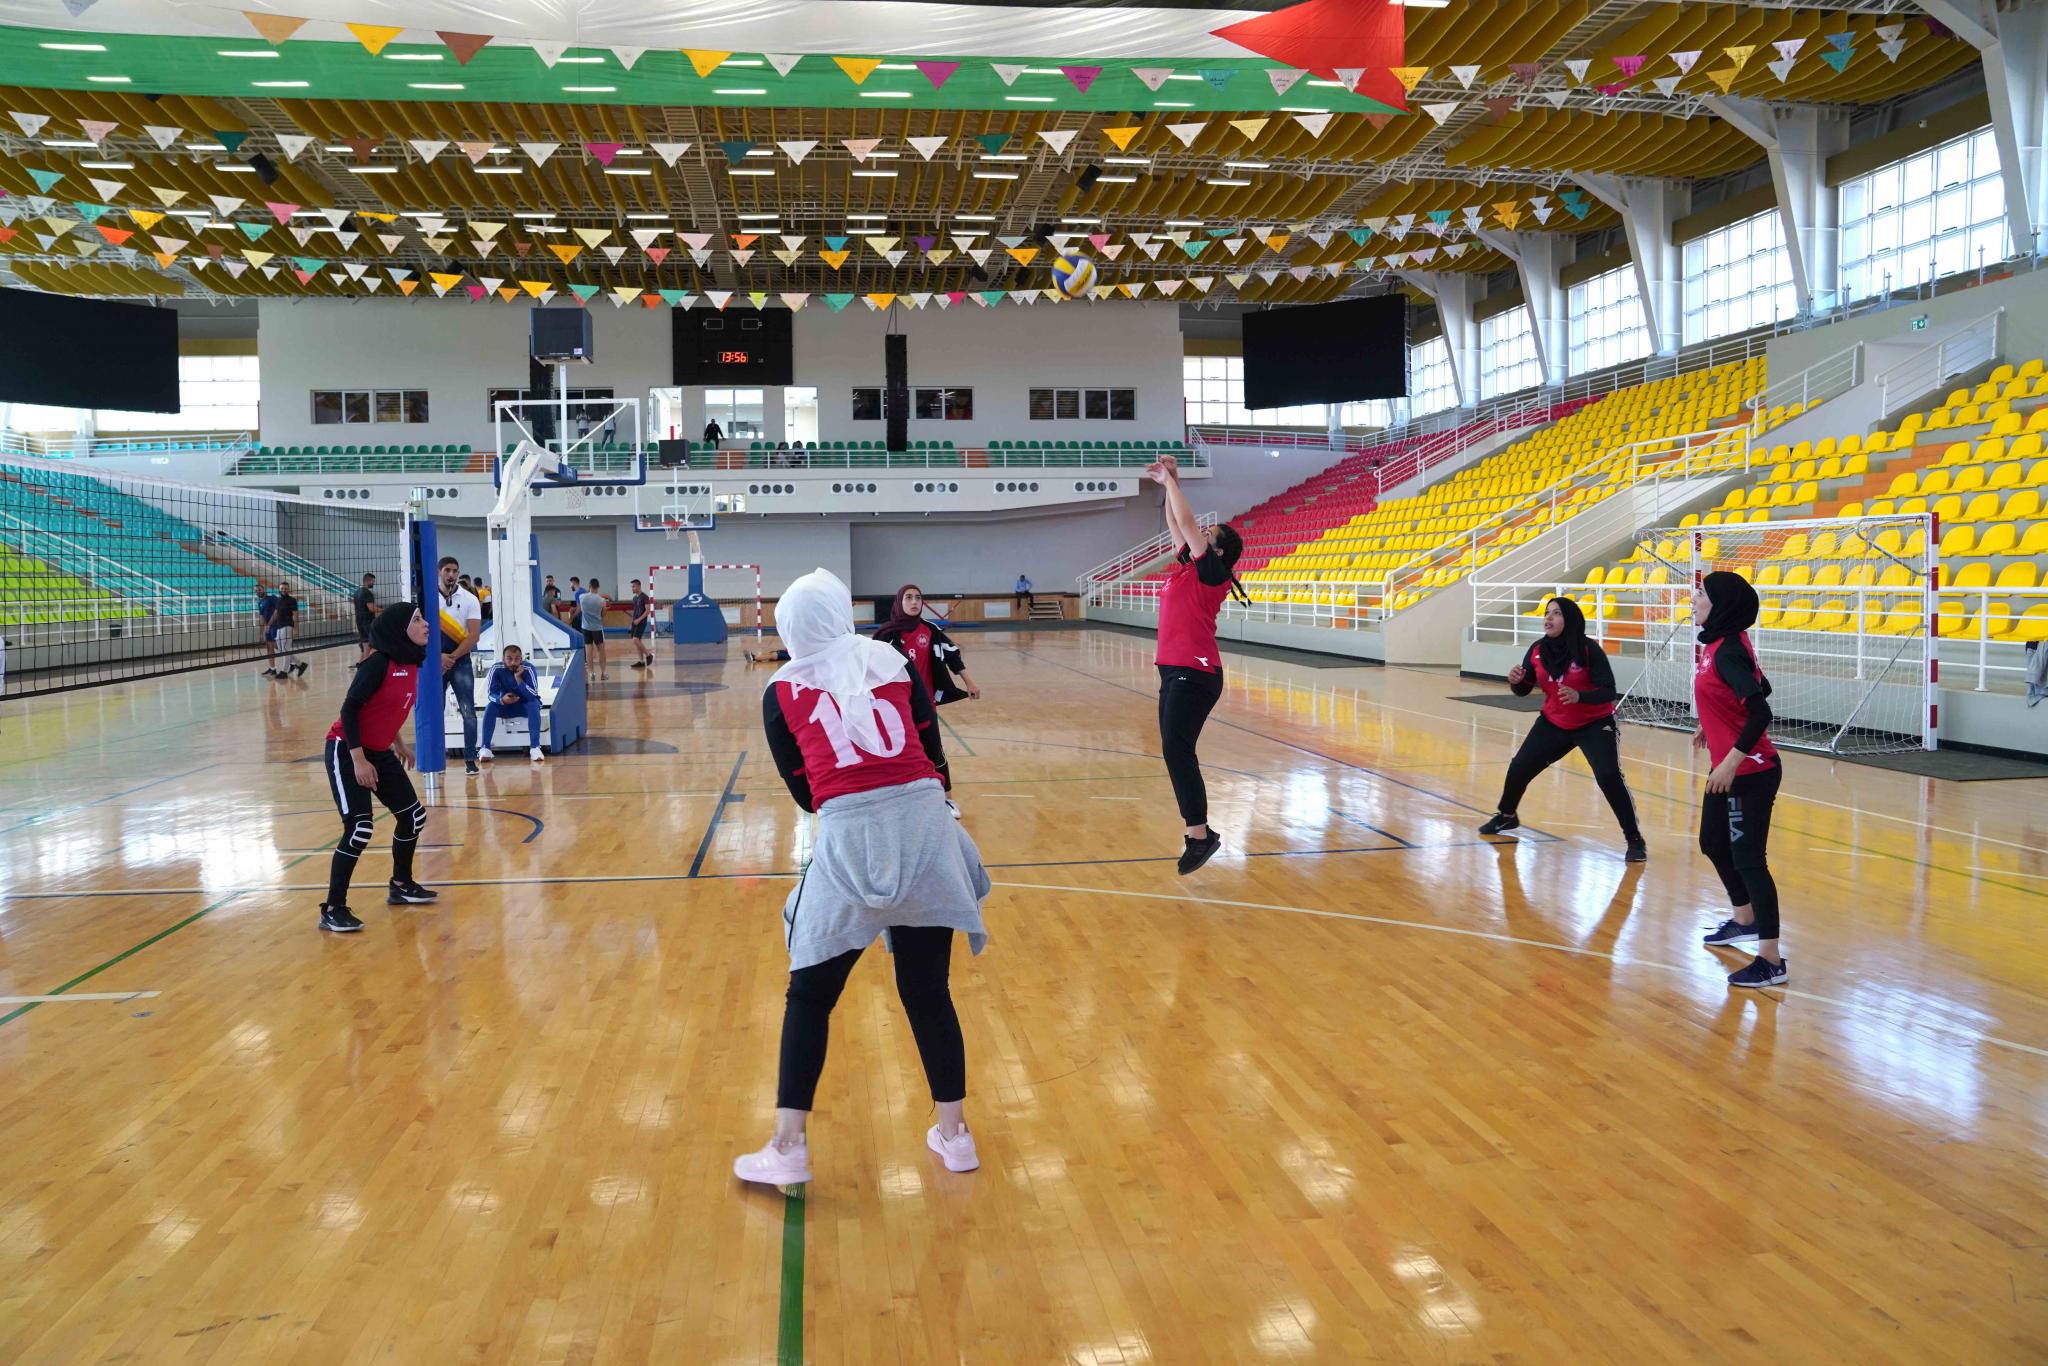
(1547, 742)
(923, 957)
(1735, 830)
(352, 799)
(1186, 697)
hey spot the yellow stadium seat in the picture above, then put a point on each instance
(1984, 392)
(1808, 492)
(1779, 473)
(1910, 506)
(2034, 542)
(1878, 441)
(1852, 510)
(2023, 574)
(1768, 576)
(1997, 538)
(1954, 619)
(1949, 508)
(1972, 574)
(1711, 519)
(1933, 481)
(1799, 576)
(2025, 446)
(2032, 624)
(2007, 424)
(1968, 415)
(1798, 616)
(2032, 368)
(1956, 398)
(1794, 547)
(1597, 574)
(1902, 619)
(1955, 453)
(1967, 479)
(1902, 484)
(1772, 615)
(1896, 576)
(1781, 496)
(2024, 505)
(1856, 464)
(2006, 476)
(1990, 448)
(1758, 497)
(1996, 409)
(1830, 576)
(1831, 468)
(1959, 540)
(2002, 374)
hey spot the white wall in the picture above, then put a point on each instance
(458, 352)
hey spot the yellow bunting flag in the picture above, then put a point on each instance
(703, 62)
(834, 259)
(1723, 77)
(166, 197)
(1740, 55)
(379, 217)
(626, 293)
(1279, 240)
(858, 69)
(1122, 137)
(1251, 128)
(508, 294)
(375, 37)
(144, 219)
(565, 254)
(534, 287)
(259, 259)
(1508, 214)
(442, 281)
(408, 286)
(1024, 255)
(164, 258)
(881, 300)
(274, 28)
(1128, 292)
(1409, 76)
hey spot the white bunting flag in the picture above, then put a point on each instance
(1152, 76)
(540, 151)
(1009, 73)
(669, 151)
(1283, 78)
(428, 148)
(783, 61)
(162, 135)
(1465, 74)
(798, 148)
(1186, 132)
(1057, 138)
(927, 147)
(1314, 123)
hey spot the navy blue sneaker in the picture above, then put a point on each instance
(1761, 972)
(1501, 823)
(1731, 932)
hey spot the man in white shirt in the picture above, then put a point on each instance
(456, 670)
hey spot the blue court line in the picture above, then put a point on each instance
(1215, 720)
(98, 801)
(718, 814)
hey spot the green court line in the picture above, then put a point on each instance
(789, 1339)
(964, 746)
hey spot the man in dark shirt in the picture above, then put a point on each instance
(643, 627)
(549, 595)
(285, 622)
(365, 600)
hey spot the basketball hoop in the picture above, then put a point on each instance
(671, 528)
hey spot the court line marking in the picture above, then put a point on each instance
(91, 973)
(725, 799)
(1495, 936)
(77, 996)
(81, 806)
(789, 1318)
(2008, 872)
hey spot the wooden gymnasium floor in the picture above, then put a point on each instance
(1367, 1089)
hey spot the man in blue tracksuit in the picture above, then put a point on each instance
(514, 689)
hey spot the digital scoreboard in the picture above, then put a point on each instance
(731, 347)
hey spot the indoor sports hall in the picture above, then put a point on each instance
(1023, 682)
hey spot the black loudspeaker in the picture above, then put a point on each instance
(896, 390)
(1089, 175)
(264, 167)
(674, 455)
(561, 334)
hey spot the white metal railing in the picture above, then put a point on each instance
(1974, 345)
(1827, 378)
(76, 620)
(1989, 614)
(1137, 559)
(1298, 602)
(72, 447)
(250, 464)
(276, 558)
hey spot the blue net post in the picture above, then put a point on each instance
(428, 733)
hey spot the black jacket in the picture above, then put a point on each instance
(944, 651)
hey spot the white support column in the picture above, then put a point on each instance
(1798, 143)
(1648, 208)
(1539, 258)
(2013, 44)
(1455, 293)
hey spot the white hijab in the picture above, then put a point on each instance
(814, 617)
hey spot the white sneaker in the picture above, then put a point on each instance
(773, 1166)
(958, 1151)
(483, 756)
(536, 755)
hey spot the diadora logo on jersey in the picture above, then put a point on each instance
(1202, 660)
(401, 673)
(1757, 759)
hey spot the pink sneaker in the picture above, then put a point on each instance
(774, 1166)
(958, 1151)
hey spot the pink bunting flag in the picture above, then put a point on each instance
(1629, 66)
(603, 151)
(938, 73)
(282, 212)
(1081, 76)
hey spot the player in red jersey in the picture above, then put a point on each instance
(1729, 693)
(929, 649)
(1579, 698)
(855, 738)
(366, 755)
(1190, 665)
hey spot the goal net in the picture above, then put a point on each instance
(1843, 635)
(736, 588)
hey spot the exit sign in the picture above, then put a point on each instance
(1920, 323)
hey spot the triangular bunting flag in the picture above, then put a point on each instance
(834, 259)
(1789, 47)
(282, 212)
(1684, 61)
(938, 73)
(1666, 84)
(365, 148)
(604, 151)
(657, 254)
(838, 301)
(274, 28)
(45, 180)
(1023, 255)
(719, 298)
(735, 150)
(860, 148)
(1465, 74)
(992, 142)
(463, 45)
(375, 37)
(1057, 139)
(927, 147)
(669, 151)
(592, 236)
(857, 69)
(1782, 69)
(97, 129)
(788, 257)
(783, 62)
(476, 151)
(1838, 59)
(1251, 128)
(740, 258)
(1152, 76)
(1740, 55)
(1577, 66)
(230, 140)
(1442, 111)
(1724, 77)
(1629, 66)
(540, 151)
(1408, 76)
(162, 135)
(1314, 124)
(563, 253)
(1122, 137)
(628, 55)
(1186, 132)
(1283, 78)
(1081, 76)
(1892, 47)
(1007, 72)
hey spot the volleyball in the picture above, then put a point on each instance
(1072, 273)
(451, 629)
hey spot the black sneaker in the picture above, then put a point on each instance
(469, 767)
(639, 663)
(272, 673)
(1502, 822)
(1731, 932)
(1761, 972)
(410, 894)
(1199, 852)
(1638, 852)
(338, 919)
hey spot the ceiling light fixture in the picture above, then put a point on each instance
(1182, 223)
(896, 66)
(116, 80)
(579, 61)
(1228, 184)
(1127, 161)
(740, 90)
(433, 85)
(248, 52)
(874, 175)
(974, 218)
(412, 56)
(89, 146)
(885, 94)
(73, 47)
(1331, 85)
(1004, 156)
(631, 170)
(588, 89)
(1028, 99)
(1171, 104)
(373, 170)
(107, 165)
(234, 168)
(501, 170)
(742, 61)
(541, 216)
(1116, 180)
(1179, 77)
(1249, 165)
(264, 85)
(1301, 109)
(1080, 220)
(652, 217)
(750, 170)
(995, 175)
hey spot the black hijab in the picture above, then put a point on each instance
(387, 634)
(1734, 609)
(1559, 651)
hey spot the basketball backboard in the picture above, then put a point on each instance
(673, 504)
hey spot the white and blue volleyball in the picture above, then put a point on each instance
(1073, 273)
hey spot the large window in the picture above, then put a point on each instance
(942, 405)
(351, 407)
(1371, 412)
(1939, 212)
(1431, 387)
(1737, 277)
(1214, 389)
(1092, 405)
(1507, 354)
(1607, 325)
(739, 413)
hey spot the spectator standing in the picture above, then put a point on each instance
(513, 688)
(643, 627)
(575, 595)
(365, 601)
(483, 596)
(284, 623)
(457, 672)
(591, 607)
(549, 596)
(713, 434)
(266, 610)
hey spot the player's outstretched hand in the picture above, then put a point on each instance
(1518, 676)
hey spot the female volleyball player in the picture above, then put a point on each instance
(366, 755)
(927, 647)
(1578, 713)
(1729, 693)
(1190, 667)
(855, 737)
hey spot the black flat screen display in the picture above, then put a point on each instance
(87, 353)
(1326, 353)
(733, 347)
